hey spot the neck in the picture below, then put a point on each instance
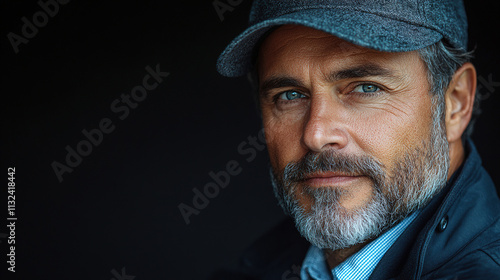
(336, 257)
(457, 155)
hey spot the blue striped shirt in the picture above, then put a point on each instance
(358, 266)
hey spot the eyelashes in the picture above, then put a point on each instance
(361, 89)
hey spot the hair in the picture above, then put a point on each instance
(441, 60)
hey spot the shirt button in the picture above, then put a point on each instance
(442, 224)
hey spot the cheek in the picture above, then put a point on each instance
(283, 140)
(389, 133)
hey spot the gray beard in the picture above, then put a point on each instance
(419, 175)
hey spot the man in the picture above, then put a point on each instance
(367, 107)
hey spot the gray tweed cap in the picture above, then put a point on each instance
(384, 25)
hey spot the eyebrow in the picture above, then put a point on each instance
(366, 70)
(279, 82)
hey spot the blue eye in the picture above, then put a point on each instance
(290, 95)
(366, 88)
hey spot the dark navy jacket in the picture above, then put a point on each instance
(456, 236)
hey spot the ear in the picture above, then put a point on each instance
(460, 101)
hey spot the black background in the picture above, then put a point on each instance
(119, 207)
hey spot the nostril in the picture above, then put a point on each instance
(318, 138)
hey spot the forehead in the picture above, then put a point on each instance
(291, 45)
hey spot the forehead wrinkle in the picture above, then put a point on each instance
(284, 52)
(284, 40)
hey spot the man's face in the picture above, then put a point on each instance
(351, 132)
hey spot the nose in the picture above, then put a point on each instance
(325, 126)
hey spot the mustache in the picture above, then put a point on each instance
(333, 161)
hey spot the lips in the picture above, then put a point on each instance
(330, 178)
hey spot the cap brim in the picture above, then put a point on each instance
(358, 27)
